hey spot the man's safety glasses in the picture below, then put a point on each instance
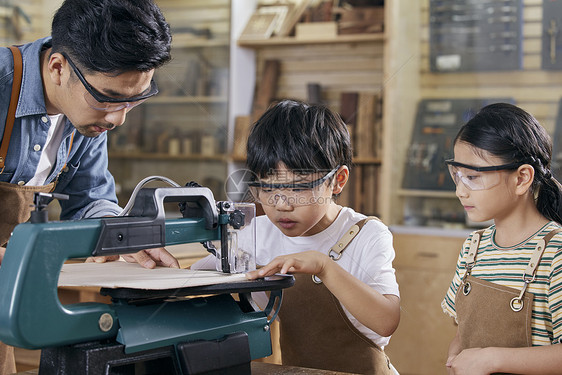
(101, 102)
(293, 194)
(478, 178)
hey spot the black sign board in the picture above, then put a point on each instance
(475, 35)
(437, 124)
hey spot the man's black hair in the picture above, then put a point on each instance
(112, 36)
(306, 138)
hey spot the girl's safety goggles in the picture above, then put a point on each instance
(478, 178)
(293, 194)
(100, 102)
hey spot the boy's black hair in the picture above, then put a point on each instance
(112, 36)
(515, 136)
(306, 138)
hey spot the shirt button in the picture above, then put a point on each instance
(21, 183)
(37, 147)
(45, 119)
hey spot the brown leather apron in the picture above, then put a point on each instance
(305, 339)
(489, 314)
(15, 201)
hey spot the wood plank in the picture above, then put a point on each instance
(489, 79)
(519, 93)
(266, 88)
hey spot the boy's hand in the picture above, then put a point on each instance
(309, 262)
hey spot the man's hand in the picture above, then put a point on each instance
(147, 258)
(2, 251)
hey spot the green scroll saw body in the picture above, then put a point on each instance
(200, 329)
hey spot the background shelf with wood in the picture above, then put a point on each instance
(343, 72)
(182, 132)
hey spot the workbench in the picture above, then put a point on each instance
(261, 368)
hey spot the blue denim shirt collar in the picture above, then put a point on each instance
(32, 83)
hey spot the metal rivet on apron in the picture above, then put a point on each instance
(466, 288)
(351, 232)
(316, 279)
(37, 147)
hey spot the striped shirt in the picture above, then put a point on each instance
(506, 265)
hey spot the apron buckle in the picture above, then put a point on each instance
(466, 288)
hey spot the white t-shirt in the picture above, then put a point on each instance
(368, 257)
(49, 152)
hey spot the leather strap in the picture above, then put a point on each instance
(534, 261)
(340, 246)
(16, 86)
(470, 259)
(537, 254)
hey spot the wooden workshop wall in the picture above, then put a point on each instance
(40, 13)
(534, 89)
(410, 79)
(338, 68)
(185, 111)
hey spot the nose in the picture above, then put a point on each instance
(117, 118)
(282, 203)
(461, 190)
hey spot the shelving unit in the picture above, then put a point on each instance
(289, 41)
(344, 64)
(182, 132)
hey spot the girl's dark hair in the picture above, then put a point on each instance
(515, 136)
(112, 36)
(306, 138)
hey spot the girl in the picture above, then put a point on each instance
(506, 295)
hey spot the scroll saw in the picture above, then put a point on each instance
(195, 330)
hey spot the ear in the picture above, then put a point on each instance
(341, 177)
(525, 175)
(58, 68)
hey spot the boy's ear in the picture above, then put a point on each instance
(341, 177)
(525, 177)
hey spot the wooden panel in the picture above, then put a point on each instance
(424, 269)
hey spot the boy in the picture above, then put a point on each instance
(344, 306)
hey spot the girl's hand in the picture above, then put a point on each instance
(309, 262)
(473, 361)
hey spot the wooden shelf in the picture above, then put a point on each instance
(179, 41)
(187, 100)
(291, 41)
(166, 157)
(426, 193)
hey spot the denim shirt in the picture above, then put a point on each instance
(85, 178)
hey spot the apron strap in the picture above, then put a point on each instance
(16, 86)
(537, 254)
(337, 250)
(516, 303)
(473, 250)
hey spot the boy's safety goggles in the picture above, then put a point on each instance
(478, 178)
(100, 102)
(293, 194)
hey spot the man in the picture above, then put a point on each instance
(76, 85)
